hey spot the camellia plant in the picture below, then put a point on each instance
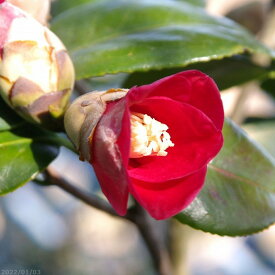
(147, 112)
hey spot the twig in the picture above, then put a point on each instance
(55, 178)
(136, 215)
(155, 245)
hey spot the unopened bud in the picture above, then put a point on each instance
(36, 73)
(39, 9)
(83, 115)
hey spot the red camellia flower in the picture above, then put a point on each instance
(156, 141)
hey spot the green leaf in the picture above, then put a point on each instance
(8, 118)
(25, 151)
(200, 3)
(130, 36)
(238, 197)
(227, 72)
(269, 86)
(62, 5)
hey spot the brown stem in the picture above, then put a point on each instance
(54, 178)
(154, 243)
(136, 215)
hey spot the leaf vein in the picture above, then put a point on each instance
(14, 142)
(239, 178)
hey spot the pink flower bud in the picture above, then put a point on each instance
(39, 9)
(36, 73)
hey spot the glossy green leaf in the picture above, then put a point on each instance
(24, 152)
(130, 36)
(8, 118)
(24, 149)
(227, 72)
(239, 194)
(60, 6)
(200, 3)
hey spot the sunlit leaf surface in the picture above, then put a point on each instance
(239, 194)
(128, 36)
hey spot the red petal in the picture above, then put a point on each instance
(165, 202)
(196, 140)
(110, 151)
(206, 96)
(192, 87)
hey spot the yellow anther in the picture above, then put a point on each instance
(148, 136)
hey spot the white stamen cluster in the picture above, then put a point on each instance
(148, 136)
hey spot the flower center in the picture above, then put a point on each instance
(148, 136)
